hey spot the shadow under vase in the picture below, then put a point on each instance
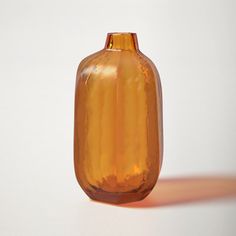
(189, 189)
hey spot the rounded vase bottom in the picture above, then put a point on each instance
(117, 198)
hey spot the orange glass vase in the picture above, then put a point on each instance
(118, 122)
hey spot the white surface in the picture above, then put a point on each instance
(41, 44)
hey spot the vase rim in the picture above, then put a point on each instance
(121, 33)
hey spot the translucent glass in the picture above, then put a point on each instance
(118, 122)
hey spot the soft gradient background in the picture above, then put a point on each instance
(41, 43)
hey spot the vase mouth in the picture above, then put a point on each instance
(121, 41)
(121, 33)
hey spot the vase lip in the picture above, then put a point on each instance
(118, 41)
(121, 33)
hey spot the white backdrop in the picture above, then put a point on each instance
(41, 43)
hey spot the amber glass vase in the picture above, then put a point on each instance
(118, 122)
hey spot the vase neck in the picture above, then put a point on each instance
(122, 41)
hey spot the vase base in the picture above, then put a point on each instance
(117, 198)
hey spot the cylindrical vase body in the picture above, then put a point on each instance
(118, 122)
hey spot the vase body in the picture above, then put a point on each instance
(118, 122)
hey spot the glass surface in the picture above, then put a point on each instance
(118, 122)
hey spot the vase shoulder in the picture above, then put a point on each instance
(123, 63)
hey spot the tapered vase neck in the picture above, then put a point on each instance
(122, 41)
